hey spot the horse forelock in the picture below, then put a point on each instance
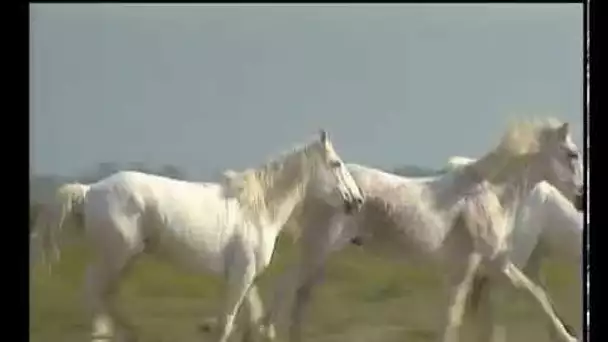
(256, 189)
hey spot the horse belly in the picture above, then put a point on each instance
(402, 232)
(399, 248)
(193, 249)
(403, 242)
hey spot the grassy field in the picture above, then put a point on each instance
(364, 298)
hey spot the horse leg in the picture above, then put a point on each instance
(533, 271)
(295, 287)
(97, 288)
(488, 327)
(323, 233)
(521, 281)
(315, 251)
(282, 296)
(239, 282)
(460, 281)
(115, 254)
(253, 327)
(302, 301)
(484, 318)
(102, 280)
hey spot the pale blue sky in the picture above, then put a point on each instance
(213, 87)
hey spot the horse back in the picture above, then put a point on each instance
(157, 199)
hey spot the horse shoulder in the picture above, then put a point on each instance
(486, 221)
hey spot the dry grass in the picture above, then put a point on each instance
(364, 298)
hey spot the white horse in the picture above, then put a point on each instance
(433, 219)
(546, 223)
(228, 229)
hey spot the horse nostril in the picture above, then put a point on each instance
(359, 200)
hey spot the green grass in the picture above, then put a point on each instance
(364, 298)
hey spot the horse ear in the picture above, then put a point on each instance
(324, 136)
(562, 131)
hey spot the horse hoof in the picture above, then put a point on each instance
(102, 338)
(268, 333)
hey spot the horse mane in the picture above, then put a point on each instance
(256, 189)
(522, 140)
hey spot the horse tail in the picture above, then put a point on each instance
(66, 207)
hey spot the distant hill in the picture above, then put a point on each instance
(416, 171)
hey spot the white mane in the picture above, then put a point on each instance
(260, 191)
(522, 140)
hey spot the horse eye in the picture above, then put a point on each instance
(335, 164)
(572, 155)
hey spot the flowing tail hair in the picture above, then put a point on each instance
(65, 207)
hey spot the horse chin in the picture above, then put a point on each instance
(350, 208)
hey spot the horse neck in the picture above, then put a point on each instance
(286, 187)
(562, 217)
